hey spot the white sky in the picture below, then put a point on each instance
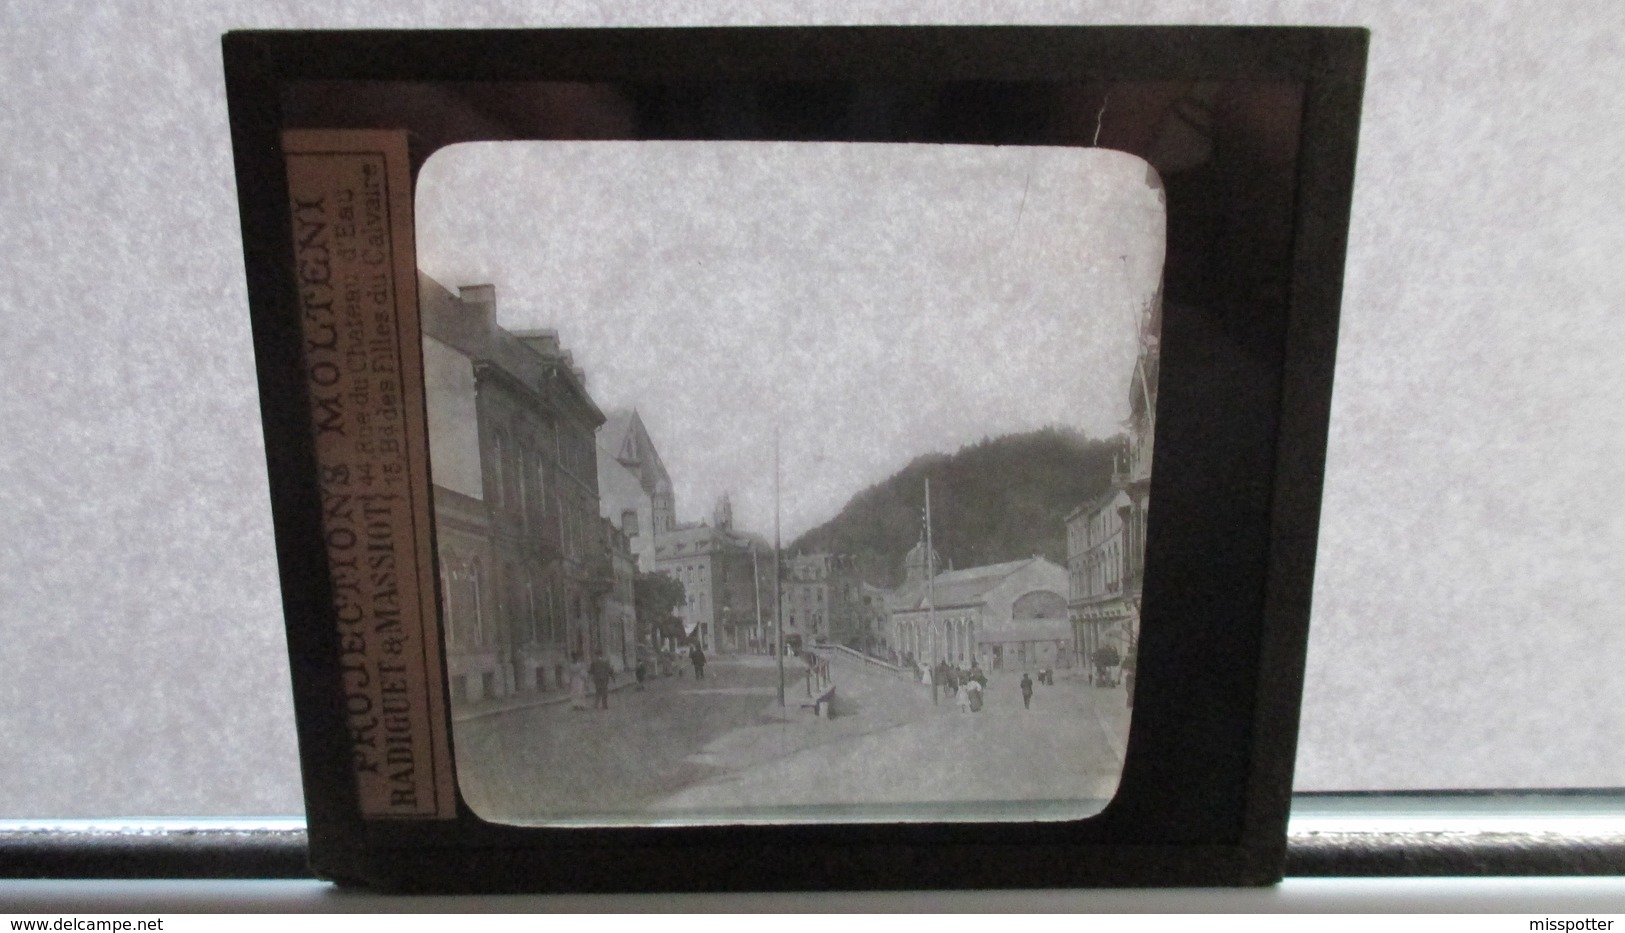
(876, 301)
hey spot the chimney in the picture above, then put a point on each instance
(544, 343)
(480, 303)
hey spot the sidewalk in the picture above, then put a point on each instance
(624, 680)
(1110, 708)
(463, 712)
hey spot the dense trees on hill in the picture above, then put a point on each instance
(1005, 498)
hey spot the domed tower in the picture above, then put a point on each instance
(915, 568)
(722, 517)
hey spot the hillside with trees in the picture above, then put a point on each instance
(1002, 499)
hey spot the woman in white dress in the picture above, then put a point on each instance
(578, 684)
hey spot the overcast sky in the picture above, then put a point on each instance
(877, 302)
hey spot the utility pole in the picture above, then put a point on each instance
(756, 578)
(778, 605)
(930, 590)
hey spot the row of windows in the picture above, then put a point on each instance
(533, 607)
(953, 640)
(578, 528)
(463, 593)
(1099, 571)
(518, 479)
(578, 455)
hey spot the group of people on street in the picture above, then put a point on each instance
(967, 687)
(963, 686)
(599, 675)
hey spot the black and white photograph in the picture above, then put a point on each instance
(783, 482)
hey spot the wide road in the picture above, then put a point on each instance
(550, 762)
(684, 750)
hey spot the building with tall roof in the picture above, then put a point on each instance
(727, 578)
(523, 562)
(634, 489)
(1005, 616)
(618, 618)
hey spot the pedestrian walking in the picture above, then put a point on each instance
(578, 684)
(601, 674)
(697, 657)
(1129, 665)
(641, 672)
(1026, 692)
(965, 699)
(973, 695)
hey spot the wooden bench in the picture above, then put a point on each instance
(820, 704)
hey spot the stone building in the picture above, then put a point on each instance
(1098, 551)
(634, 489)
(822, 599)
(1009, 616)
(520, 544)
(1106, 536)
(619, 619)
(876, 623)
(727, 579)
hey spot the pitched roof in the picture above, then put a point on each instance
(616, 435)
(1098, 502)
(959, 587)
(625, 439)
(685, 540)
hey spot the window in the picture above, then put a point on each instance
(482, 620)
(523, 484)
(533, 620)
(499, 450)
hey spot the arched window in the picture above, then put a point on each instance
(532, 616)
(524, 482)
(448, 618)
(513, 601)
(482, 635)
(539, 472)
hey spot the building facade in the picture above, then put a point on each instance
(727, 579)
(1106, 536)
(821, 599)
(1009, 616)
(876, 611)
(634, 489)
(619, 619)
(1099, 602)
(523, 564)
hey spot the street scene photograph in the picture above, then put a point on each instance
(789, 482)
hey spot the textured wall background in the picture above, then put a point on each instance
(1472, 566)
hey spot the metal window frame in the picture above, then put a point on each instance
(1548, 833)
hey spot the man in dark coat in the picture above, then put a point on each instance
(601, 674)
(697, 658)
(1026, 691)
